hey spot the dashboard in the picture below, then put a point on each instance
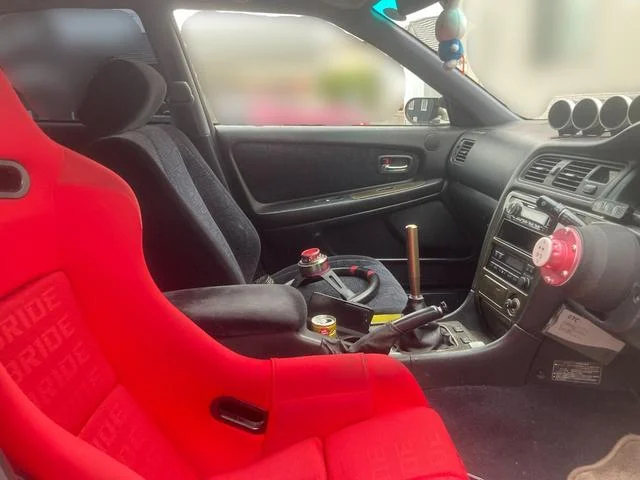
(511, 168)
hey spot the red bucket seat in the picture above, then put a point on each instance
(101, 377)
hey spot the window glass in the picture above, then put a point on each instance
(50, 55)
(267, 69)
(530, 53)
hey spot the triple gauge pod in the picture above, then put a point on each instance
(592, 117)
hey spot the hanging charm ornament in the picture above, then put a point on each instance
(451, 26)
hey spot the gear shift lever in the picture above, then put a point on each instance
(415, 301)
(381, 340)
(416, 329)
(426, 336)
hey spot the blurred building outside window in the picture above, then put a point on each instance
(267, 69)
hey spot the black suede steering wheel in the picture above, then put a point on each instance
(365, 296)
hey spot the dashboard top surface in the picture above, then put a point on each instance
(500, 155)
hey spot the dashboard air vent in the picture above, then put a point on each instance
(572, 175)
(540, 169)
(462, 150)
(606, 174)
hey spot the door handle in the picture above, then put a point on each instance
(394, 164)
(395, 168)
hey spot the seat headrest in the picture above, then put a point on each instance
(122, 95)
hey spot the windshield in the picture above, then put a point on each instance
(529, 53)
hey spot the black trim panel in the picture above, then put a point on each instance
(285, 171)
(424, 182)
(333, 207)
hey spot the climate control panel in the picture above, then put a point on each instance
(515, 269)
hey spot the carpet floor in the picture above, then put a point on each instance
(539, 432)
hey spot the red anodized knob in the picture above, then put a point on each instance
(310, 255)
(313, 263)
(558, 256)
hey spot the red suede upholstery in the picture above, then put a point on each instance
(101, 377)
(396, 448)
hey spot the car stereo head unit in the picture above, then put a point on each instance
(518, 236)
(523, 213)
(512, 267)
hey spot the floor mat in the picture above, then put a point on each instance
(534, 432)
(622, 463)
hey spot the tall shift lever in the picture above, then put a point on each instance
(416, 330)
(416, 300)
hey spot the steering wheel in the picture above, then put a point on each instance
(314, 266)
(372, 278)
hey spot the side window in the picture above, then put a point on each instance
(267, 69)
(50, 55)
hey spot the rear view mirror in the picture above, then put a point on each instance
(426, 111)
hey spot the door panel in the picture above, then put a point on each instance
(327, 187)
(319, 169)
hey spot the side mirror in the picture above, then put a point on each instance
(426, 111)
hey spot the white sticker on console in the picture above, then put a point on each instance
(582, 335)
(577, 372)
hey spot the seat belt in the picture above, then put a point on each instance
(181, 104)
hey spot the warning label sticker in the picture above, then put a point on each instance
(577, 372)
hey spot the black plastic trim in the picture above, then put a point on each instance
(428, 179)
(240, 414)
(504, 361)
(311, 210)
(565, 159)
(23, 180)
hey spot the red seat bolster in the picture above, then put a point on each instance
(316, 396)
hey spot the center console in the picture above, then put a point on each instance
(507, 307)
(508, 277)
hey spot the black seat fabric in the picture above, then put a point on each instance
(179, 197)
(195, 235)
